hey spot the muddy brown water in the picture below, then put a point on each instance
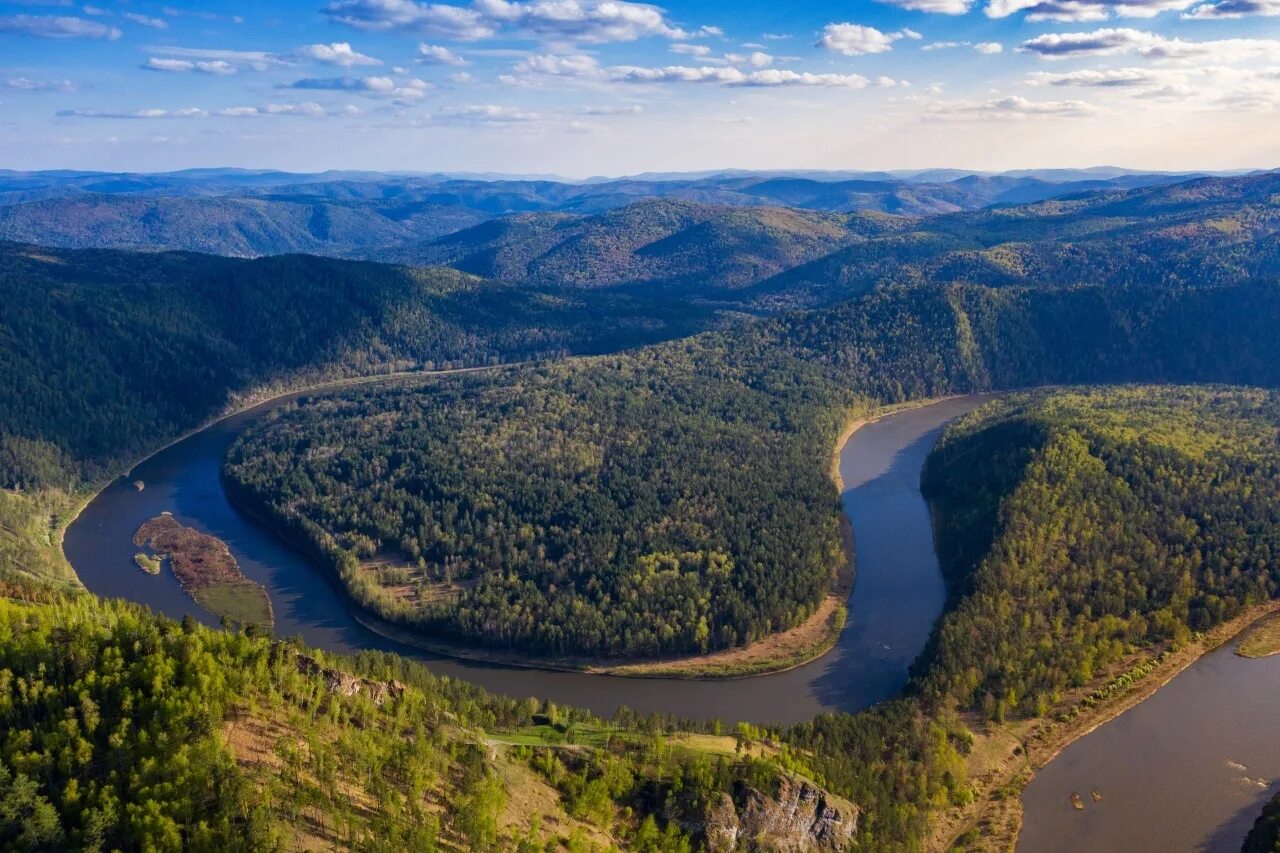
(1188, 769)
(897, 595)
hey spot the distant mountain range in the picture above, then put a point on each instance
(246, 213)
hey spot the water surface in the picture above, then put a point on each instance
(1186, 770)
(897, 595)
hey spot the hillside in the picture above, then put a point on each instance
(674, 244)
(1208, 231)
(128, 731)
(676, 500)
(236, 227)
(243, 213)
(104, 352)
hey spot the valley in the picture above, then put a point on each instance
(624, 469)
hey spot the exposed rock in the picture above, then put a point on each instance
(722, 825)
(798, 816)
(344, 683)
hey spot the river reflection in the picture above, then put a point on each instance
(897, 596)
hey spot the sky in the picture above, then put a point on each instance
(608, 87)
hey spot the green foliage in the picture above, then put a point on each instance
(106, 353)
(117, 730)
(1094, 522)
(676, 499)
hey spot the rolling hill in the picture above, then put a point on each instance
(674, 243)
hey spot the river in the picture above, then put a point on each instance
(897, 595)
(1188, 769)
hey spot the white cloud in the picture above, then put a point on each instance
(856, 40)
(989, 48)
(336, 53)
(241, 59)
(1010, 108)
(1117, 78)
(941, 7)
(373, 87)
(461, 77)
(588, 68)
(776, 77)
(757, 59)
(212, 66)
(1112, 42)
(307, 109)
(567, 20)
(56, 27)
(435, 54)
(487, 114)
(186, 112)
(633, 109)
(154, 23)
(1085, 10)
(1230, 9)
(691, 49)
(24, 84)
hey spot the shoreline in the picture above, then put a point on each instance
(828, 617)
(712, 666)
(1041, 741)
(258, 397)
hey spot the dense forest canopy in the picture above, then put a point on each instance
(676, 499)
(1113, 519)
(104, 353)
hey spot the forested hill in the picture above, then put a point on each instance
(677, 499)
(1265, 835)
(365, 215)
(127, 731)
(233, 226)
(659, 241)
(1207, 231)
(107, 353)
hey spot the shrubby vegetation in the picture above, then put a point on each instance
(676, 499)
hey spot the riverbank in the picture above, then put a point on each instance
(1262, 640)
(777, 653)
(1005, 758)
(238, 405)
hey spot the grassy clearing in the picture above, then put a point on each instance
(243, 602)
(1262, 640)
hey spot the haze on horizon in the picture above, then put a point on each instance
(607, 87)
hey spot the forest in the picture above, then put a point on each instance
(1111, 520)
(676, 500)
(103, 352)
(121, 730)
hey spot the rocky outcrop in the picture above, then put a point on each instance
(344, 683)
(796, 816)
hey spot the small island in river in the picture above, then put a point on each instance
(206, 569)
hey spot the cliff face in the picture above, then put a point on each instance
(796, 816)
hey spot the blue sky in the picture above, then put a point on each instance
(584, 87)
